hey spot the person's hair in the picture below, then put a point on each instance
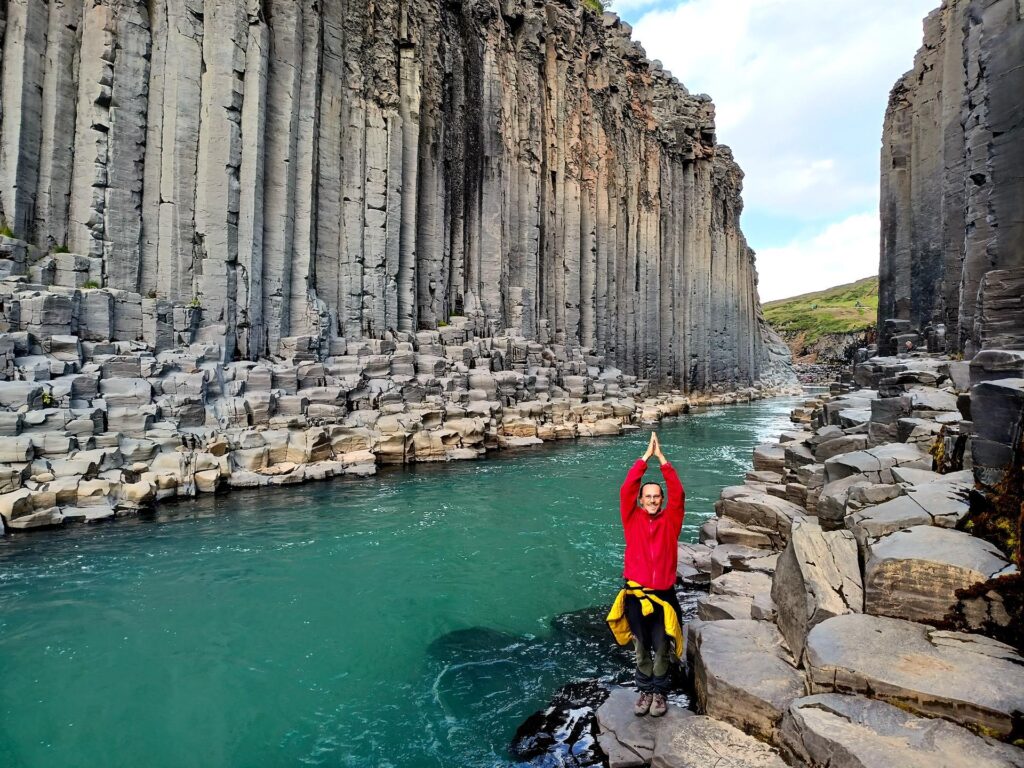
(644, 485)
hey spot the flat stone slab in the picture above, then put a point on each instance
(733, 595)
(731, 532)
(699, 741)
(629, 740)
(744, 674)
(931, 399)
(839, 445)
(940, 503)
(694, 563)
(769, 457)
(817, 577)
(727, 557)
(742, 584)
(966, 678)
(876, 463)
(769, 514)
(914, 574)
(723, 607)
(855, 732)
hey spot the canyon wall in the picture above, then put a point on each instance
(272, 169)
(952, 190)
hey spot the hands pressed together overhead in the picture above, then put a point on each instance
(654, 449)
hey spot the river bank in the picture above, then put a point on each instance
(852, 618)
(411, 618)
(95, 430)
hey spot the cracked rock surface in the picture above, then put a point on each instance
(967, 678)
(817, 577)
(247, 173)
(914, 573)
(854, 732)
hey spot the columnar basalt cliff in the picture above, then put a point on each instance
(251, 171)
(952, 261)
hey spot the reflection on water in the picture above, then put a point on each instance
(411, 619)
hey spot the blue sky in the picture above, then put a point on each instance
(800, 88)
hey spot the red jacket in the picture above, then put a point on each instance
(651, 542)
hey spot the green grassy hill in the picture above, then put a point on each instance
(846, 308)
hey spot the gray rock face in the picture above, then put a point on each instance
(853, 732)
(817, 577)
(630, 741)
(257, 176)
(952, 183)
(966, 678)
(914, 574)
(770, 515)
(744, 674)
(699, 741)
(998, 409)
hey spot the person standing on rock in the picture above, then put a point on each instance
(646, 610)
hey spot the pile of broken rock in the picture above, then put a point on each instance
(833, 572)
(95, 429)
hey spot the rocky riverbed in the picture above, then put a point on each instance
(91, 430)
(852, 619)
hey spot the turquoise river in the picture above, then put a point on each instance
(410, 619)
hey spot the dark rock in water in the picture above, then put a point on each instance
(565, 733)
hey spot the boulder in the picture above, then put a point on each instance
(40, 518)
(876, 463)
(20, 394)
(967, 678)
(943, 503)
(768, 513)
(724, 607)
(996, 364)
(626, 739)
(729, 531)
(840, 445)
(744, 675)
(126, 392)
(837, 731)
(817, 576)
(698, 741)
(728, 557)
(914, 574)
(770, 457)
(15, 504)
(998, 411)
(694, 564)
(747, 584)
(831, 503)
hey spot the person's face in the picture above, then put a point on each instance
(650, 499)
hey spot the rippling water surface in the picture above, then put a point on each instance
(411, 619)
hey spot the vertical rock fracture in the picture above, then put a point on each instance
(337, 169)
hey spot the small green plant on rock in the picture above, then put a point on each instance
(61, 249)
(195, 303)
(49, 401)
(597, 6)
(90, 284)
(6, 231)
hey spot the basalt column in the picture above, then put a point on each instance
(953, 182)
(285, 174)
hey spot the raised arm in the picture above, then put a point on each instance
(631, 485)
(673, 487)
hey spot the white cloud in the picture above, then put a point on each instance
(629, 6)
(842, 252)
(800, 88)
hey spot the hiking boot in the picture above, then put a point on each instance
(643, 704)
(658, 705)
